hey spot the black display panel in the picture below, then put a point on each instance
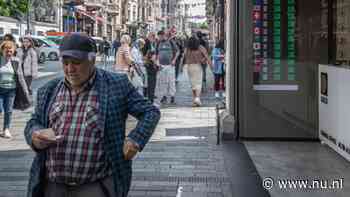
(274, 51)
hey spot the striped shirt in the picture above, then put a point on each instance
(79, 157)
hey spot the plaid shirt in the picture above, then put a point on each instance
(79, 158)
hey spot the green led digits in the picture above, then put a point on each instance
(291, 55)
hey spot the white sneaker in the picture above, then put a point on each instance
(217, 95)
(7, 134)
(224, 95)
(197, 102)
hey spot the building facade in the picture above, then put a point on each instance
(216, 12)
(148, 10)
(98, 18)
(44, 16)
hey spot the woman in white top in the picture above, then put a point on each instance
(11, 81)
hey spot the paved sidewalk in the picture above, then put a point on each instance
(182, 159)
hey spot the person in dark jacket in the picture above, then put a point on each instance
(116, 44)
(78, 128)
(149, 53)
(105, 47)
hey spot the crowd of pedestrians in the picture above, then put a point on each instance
(153, 64)
(77, 129)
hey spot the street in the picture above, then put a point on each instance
(182, 158)
(47, 71)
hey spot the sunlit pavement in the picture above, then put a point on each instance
(182, 158)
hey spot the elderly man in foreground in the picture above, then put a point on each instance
(78, 128)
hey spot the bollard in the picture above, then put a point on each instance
(217, 124)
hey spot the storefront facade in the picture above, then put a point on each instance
(274, 49)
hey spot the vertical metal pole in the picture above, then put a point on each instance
(331, 45)
(217, 124)
(28, 17)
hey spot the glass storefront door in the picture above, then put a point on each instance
(279, 65)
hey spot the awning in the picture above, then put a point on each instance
(82, 12)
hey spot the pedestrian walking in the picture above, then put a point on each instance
(106, 47)
(149, 53)
(195, 56)
(204, 44)
(7, 37)
(167, 53)
(29, 61)
(13, 89)
(124, 60)
(176, 41)
(138, 75)
(116, 44)
(78, 128)
(218, 62)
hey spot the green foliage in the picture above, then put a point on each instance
(13, 8)
(203, 25)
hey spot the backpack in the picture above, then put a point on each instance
(173, 47)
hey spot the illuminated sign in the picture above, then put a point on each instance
(274, 51)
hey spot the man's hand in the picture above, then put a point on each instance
(130, 149)
(44, 138)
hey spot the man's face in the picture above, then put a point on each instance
(77, 71)
(26, 43)
(161, 37)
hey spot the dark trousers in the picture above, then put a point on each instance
(219, 84)
(177, 66)
(151, 81)
(29, 80)
(103, 188)
(204, 75)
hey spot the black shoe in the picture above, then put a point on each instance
(172, 100)
(163, 100)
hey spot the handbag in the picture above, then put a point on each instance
(22, 100)
(137, 76)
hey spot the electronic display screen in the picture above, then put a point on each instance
(274, 51)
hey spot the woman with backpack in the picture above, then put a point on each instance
(29, 61)
(195, 56)
(218, 56)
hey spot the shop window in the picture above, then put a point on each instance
(14, 31)
(341, 32)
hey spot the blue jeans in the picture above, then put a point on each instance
(7, 98)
